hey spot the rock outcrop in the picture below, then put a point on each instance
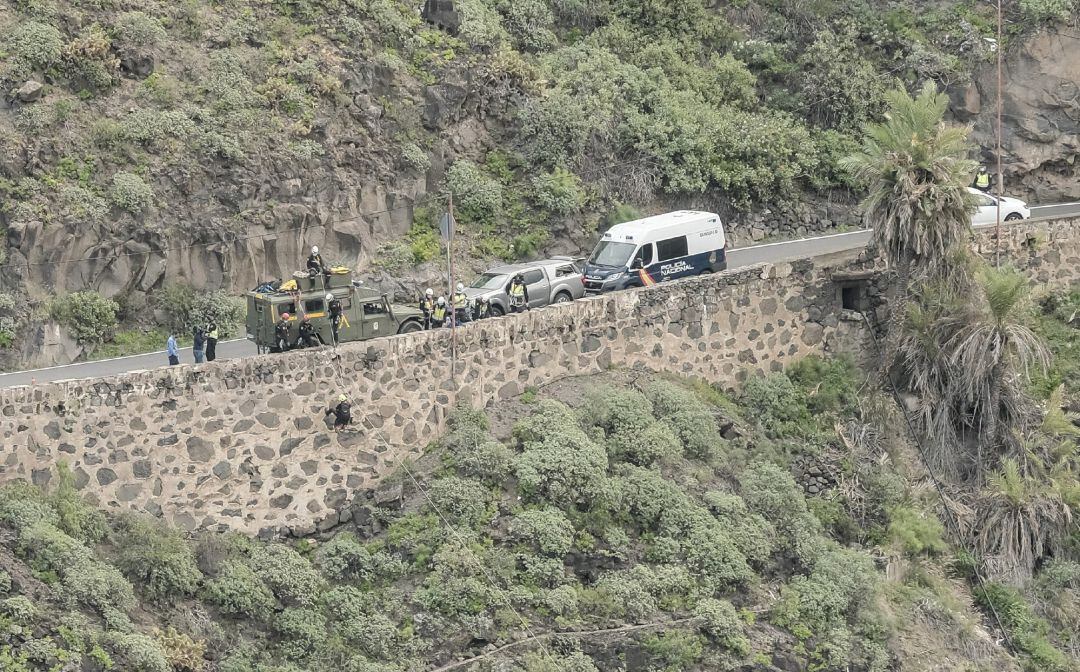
(1040, 120)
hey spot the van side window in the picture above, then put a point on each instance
(645, 254)
(672, 248)
(289, 308)
(533, 277)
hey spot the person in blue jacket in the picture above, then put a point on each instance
(174, 352)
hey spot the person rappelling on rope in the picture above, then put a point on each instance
(342, 413)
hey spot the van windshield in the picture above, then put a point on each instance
(490, 281)
(611, 253)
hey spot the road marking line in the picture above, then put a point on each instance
(110, 359)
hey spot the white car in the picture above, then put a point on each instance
(1012, 209)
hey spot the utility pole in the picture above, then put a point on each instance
(450, 284)
(1000, 177)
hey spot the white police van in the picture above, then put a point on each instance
(655, 249)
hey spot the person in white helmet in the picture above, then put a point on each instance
(342, 413)
(438, 316)
(461, 304)
(333, 308)
(427, 306)
(315, 263)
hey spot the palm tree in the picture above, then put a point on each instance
(917, 171)
(992, 352)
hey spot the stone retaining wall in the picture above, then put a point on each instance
(243, 445)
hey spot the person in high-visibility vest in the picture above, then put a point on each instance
(982, 180)
(427, 306)
(211, 342)
(438, 315)
(519, 294)
(461, 304)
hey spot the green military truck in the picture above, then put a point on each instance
(367, 312)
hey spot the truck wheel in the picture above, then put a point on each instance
(410, 327)
(497, 310)
(1013, 216)
(563, 297)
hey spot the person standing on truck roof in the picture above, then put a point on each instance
(438, 316)
(342, 413)
(461, 304)
(172, 350)
(281, 332)
(315, 263)
(198, 345)
(427, 306)
(211, 342)
(519, 294)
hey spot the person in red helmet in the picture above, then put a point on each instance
(281, 332)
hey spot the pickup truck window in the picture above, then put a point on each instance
(533, 277)
(565, 271)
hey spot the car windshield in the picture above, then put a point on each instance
(490, 281)
(610, 253)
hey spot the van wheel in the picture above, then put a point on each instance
(1013, 216)
(497, 310)
(707, 271)
(563, 297)
(410, 327)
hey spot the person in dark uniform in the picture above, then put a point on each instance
(281, 332)
(211, 342)
(342, 413)
(315, 263)
(481, 308)
(307, 337)
(519, 294)
(333, 307)
(427, 306)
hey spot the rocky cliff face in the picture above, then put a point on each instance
(1040, 116)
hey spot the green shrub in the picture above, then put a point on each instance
(1047, 11)
(559, 192)
(778, 405)
(78, 518)
(462, 501)
(754, 536)
(158, 557)
(5, 582)
(481, 26)
(561, 601)
(149, 127)
(302, 631)
(771, 491)
(90, 317)
(136, 29)
(82, 204)
(50, 549)
(138, 652)
(842, 89)
(344, 558)
(98, 586)
(647, 496)
(627, 595)
(548, 529)
(916, 532)
(719, 620)
(130, 192)
(556, 662)
(457, 586)
(688, 416)
(236, 590)
(187, 308)
(828, 385)
(710, 551)
(841, 581)
(24, 513)
(415, 157)
(288, 574)
(479, 198)
(39, 45)
(375, 634)
(625, 416)
(559, 463)
(530, 23)
(19, 608)
(489, 462)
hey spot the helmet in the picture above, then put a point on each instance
(484, 299)
(342, 397)
(284, 316)
(442, 301)
(460, 287)
(429, 293)
(314, 249)
(329, 297)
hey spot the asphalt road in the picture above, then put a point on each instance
(746, 256)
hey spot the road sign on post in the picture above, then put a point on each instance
(445, 227)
